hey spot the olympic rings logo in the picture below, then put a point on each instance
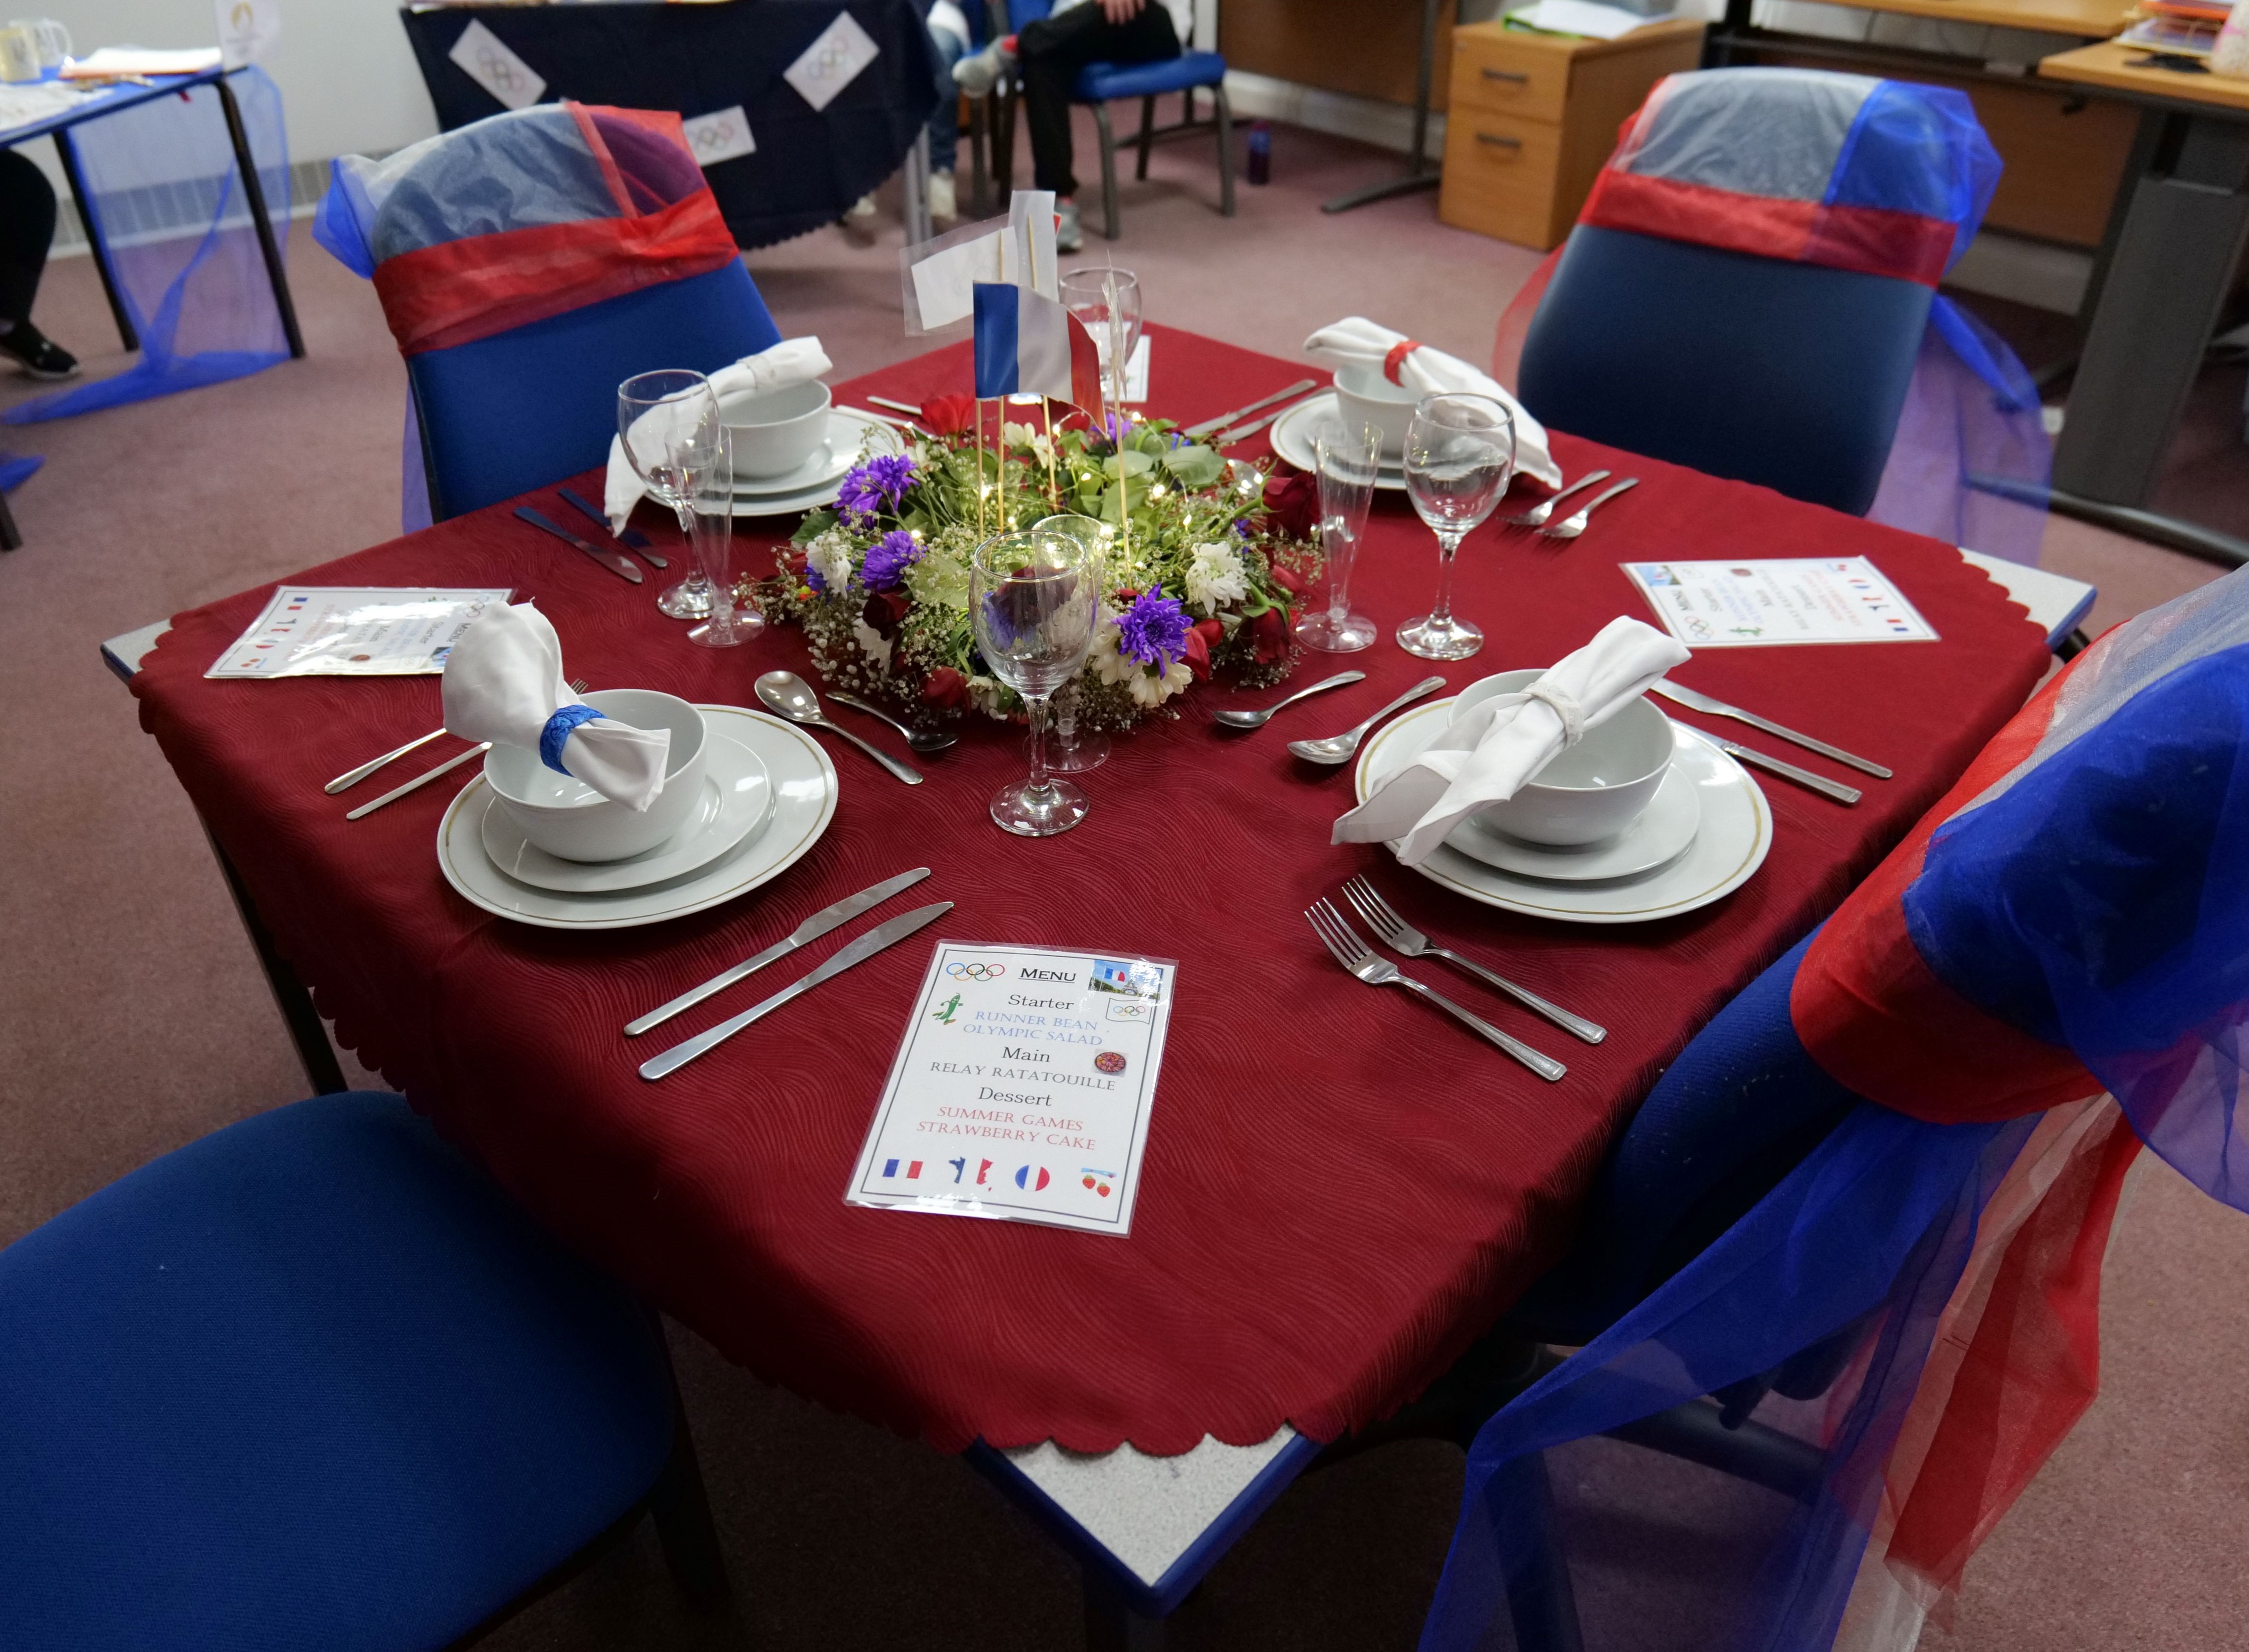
(976, 972)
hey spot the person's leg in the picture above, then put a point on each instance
(1054, 50)
(27, 230)
(948, 49)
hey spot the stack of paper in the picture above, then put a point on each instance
(114, 62)
(1586, 17)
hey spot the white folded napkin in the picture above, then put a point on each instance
(1356, 342)
(504, 683)
(1489, 752)
(791, 361)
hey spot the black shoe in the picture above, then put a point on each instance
(37, 355)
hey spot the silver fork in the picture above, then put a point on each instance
(1356, 956)
(1538, 516)
(1401, 936)
(351, 777)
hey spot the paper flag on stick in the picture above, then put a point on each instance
(1027, 344)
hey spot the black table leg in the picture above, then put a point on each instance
(68, 152)
(253, 192)
(321, 1067)
(11, 539)
(1419, 175)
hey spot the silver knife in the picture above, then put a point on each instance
(631, 538)
(418, 781)
(811, 930)
(1225, 419)
(1818, 783)
(1695, 700)
(616, 561)
(858, 952)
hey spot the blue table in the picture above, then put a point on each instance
(113, 99)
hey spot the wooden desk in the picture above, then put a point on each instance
(2094, 19)
(2109, 66)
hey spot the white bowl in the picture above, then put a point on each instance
(776, 430)
(1365, 395)
(568, 818)
(1594, 790)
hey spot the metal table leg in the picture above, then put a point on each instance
(1417, 173)
(68, 153)
(321, 1067)
(919, 228)
(11, 539)
(253, 193)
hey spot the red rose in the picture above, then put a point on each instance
(945, 688)
(1288, 580)
(884, 611)
(948, 415)
(1269, 630)
(1212, 633)
(1294, 501)
(1196, 653)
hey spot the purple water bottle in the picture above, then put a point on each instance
(1260, 152)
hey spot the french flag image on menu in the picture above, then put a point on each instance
(1027, 344)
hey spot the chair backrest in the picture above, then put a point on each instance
(1020, 12)
(522, 408)
(1747, 287)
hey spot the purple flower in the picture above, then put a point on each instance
(812, 581)
(1154, 628)
(887, 563)
(1116, 427)
(878, 483)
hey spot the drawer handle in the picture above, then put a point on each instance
(1507, 74)
(1498, 142)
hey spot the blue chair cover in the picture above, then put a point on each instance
(310, 1381)
(1100, 82)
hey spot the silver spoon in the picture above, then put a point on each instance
(1536, 516)
(792, 697)
(1571, 528)
(1338, 748)
(919, 740)
(1259, 719)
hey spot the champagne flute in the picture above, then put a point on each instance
(1032, 598)
(1072, 752)
(1460, 452)
(1348, 453)
(1108, 303)
(711, 531)
(660, 421)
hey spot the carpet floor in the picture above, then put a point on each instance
(137, 1019)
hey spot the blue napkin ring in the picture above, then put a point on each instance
(558, 730)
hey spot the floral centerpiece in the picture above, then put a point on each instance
(1201, 578)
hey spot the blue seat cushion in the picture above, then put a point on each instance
(310, 1381)
(1100, 82)
(1788, 375)
(525, 408)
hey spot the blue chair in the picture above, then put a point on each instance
(314, 1382)
(1100, 83)
(522, 409)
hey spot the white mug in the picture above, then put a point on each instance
(19, 53)
(51, 38)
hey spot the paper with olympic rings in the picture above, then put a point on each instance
(1022, 1087)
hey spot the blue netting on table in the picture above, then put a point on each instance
(171, 210)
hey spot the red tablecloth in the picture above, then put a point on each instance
(1341, 1188)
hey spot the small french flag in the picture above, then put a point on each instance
(1027, 344)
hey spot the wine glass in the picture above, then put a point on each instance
(660, 420)
(1071, 751)
(1348, 453)
(1460, 452)
(1108, 303)
(711, 533)
(1032, 598)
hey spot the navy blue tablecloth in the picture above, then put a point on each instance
(810, 165)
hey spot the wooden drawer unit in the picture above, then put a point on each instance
(1533, 117)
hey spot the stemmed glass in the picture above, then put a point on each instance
(1108, 303)
(1460, 452)
(665, 419)
(1072, 752)
(1032, 597)
(1349, 456)
(711, 532)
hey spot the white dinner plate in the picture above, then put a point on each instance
(804, 803)
(850, 434)
(1292, 440)
(1663, 831)
(737, 800)
(1735, 835)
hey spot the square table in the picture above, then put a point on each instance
(1342, 1190)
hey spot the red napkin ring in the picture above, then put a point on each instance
(1394, 362)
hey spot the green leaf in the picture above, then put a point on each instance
(1194, 466)
(813, 526)
(1133, 464)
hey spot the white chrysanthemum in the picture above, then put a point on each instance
(1143, 683)
(829, 556)
(871, 644)
(986, 695)
(1215, 576)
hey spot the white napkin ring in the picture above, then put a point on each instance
(1565, 706)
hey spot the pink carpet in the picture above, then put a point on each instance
(137, 1020)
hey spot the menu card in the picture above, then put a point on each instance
(318, 631)
(1022, 1088)
(1726, 605)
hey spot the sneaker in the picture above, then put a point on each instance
(978, 72)
(1069, 235)
(37, 355)
(858, 222)
(944, 201)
